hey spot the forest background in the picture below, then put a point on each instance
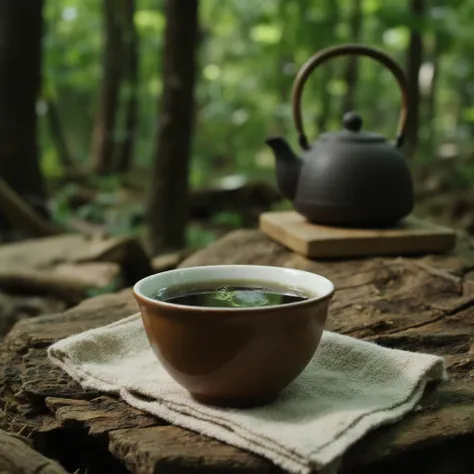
(96, 135)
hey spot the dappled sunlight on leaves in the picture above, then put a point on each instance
(149, 21)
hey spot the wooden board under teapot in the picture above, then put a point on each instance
(410, 236)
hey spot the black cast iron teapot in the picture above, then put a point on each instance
(347, 178)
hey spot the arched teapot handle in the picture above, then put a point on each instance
(347, 49)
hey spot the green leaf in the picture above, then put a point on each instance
(149, 21)
(268, 34)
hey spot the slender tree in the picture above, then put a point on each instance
(414, 61)
(103, 139)
(431, 96)
(125, 146)
(328, 70)
(57, 134)
(351, 70)
(21, 26)
(168, 204)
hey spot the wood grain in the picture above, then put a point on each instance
(419, 304)
(17, 457)
(411, 236)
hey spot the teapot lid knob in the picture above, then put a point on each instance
(352, 121)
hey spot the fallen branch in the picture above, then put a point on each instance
(22, 215)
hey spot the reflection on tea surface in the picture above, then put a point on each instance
(232, 294)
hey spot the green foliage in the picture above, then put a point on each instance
(112, 287)
(249, 54)
(198, 236)
(228, 219)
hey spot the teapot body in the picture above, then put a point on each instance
(352, 177)
(354, 186)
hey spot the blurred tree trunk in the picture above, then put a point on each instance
(415, 58)
(168, 205)
(431, 100)
(57, 134)
(103, 138)
(351, 70)
(21, 27)
(124, 150)
(328, 68)
(285, 56)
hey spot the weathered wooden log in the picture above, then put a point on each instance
(249, 196)
(14, 307)
(17, 457)
(169, 261)
(72, 263)
(71, 286)
(420, 304)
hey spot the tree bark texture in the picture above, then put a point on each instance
(103, 139)
(17, 457)
(415, 57)
(168, 204)
(21, 25)
(423, 304)
(124, 150)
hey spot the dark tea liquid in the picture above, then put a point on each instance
(231, 294)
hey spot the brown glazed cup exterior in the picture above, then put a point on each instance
(234, 356)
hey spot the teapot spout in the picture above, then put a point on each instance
(288, 166)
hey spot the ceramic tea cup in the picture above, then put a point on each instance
(234, 356)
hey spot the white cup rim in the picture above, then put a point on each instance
(312, 283)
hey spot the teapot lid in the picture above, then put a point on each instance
(352, 123)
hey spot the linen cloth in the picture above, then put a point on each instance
(349, 388)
